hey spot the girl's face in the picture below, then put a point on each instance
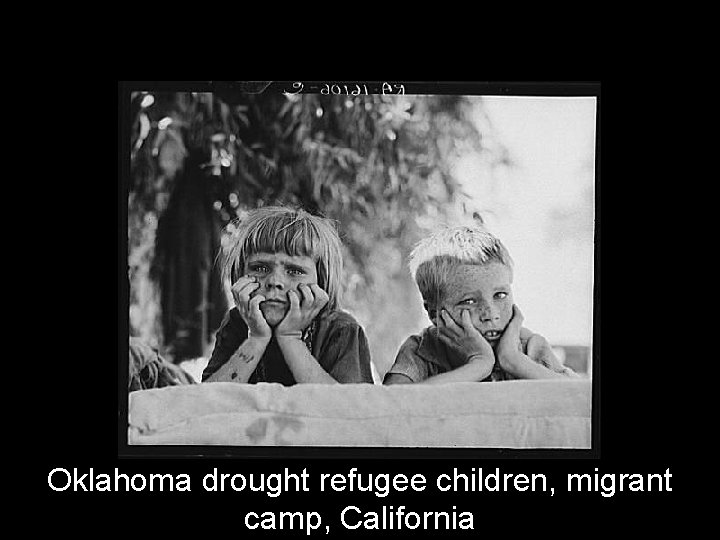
(484, 291)
(278, 273)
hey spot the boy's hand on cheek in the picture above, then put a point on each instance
(463, 338)
(249, 308)
(509, 351)
(305, 305)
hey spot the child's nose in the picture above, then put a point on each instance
(488, 314)
(275, 280)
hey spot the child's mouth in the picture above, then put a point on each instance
(274, 302)
(492, 334)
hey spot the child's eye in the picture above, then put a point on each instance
(295, 272)
(467, 301)
(259, 268)
(501, 295)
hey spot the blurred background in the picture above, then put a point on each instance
(388, 169)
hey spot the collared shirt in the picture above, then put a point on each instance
(335, 339)
(423, 355)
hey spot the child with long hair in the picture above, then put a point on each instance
(285, 267)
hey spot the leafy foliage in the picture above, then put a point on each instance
(373, 163)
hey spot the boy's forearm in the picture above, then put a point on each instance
(523, 367)
(474, 371)
(303, 365)
(242, 363)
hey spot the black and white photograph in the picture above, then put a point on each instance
(359, 264)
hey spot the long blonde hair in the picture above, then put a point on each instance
(281, 229)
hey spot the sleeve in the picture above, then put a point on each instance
(347, 355)
(147, 369)
(228, 338)
(408, 363)
(141, 358)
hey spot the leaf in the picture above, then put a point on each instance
(244, 120)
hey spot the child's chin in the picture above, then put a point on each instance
(494, 340)
(273, 316)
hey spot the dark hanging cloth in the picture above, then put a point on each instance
(192, 299)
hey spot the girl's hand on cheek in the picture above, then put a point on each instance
(249, 308)
(304, 307)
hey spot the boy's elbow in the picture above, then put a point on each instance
(397, 378)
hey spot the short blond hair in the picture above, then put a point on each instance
(281, 229)
(433, 257)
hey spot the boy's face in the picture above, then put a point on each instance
(278, 273)
(484, 291)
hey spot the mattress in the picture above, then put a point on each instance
(508, 414)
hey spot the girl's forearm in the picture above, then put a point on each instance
(303, 365)
(242, 363)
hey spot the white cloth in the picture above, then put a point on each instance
(508, 414)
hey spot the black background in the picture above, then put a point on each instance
(641, 425)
